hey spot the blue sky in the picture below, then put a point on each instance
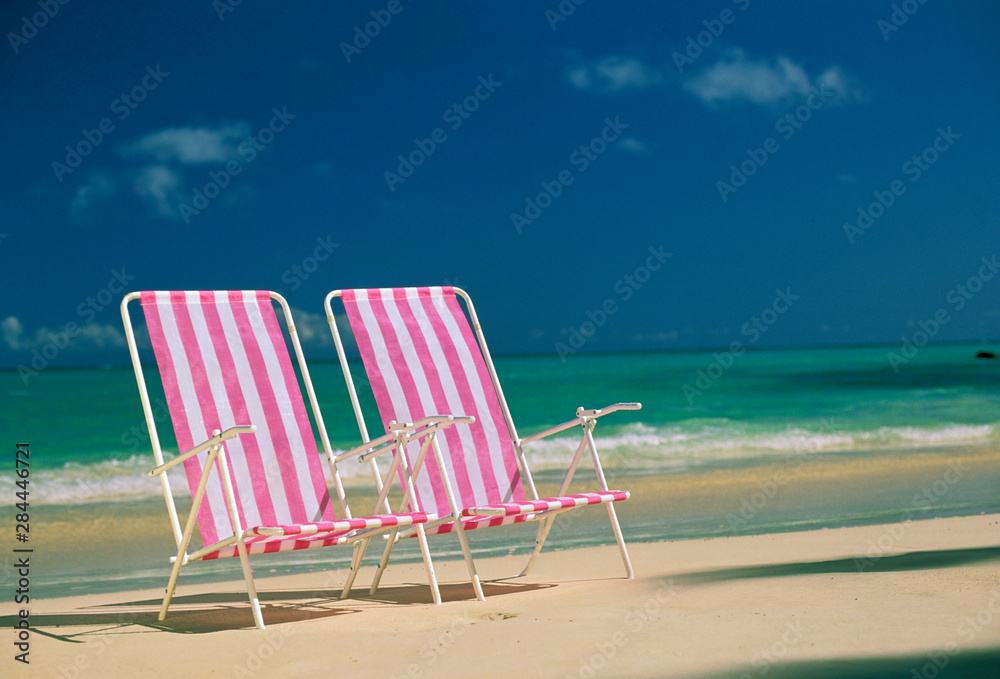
(651, 175)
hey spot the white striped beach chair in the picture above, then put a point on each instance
(422, 357)
(251, 461)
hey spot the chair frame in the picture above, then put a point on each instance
(586, 419)
(216, 458)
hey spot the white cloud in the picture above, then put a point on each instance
(12, 330)
(313, 329)
(98, 187)
(158, 183)
(613, 74)
(97, 335)
(633, 145)
(191, 145)
(736, 77)
(835, 79)
(75, 336)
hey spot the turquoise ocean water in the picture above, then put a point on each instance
(700, 409)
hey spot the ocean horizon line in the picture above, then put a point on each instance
(758, 349)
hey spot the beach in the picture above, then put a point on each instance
(813, 513)
(736, 280)
(879, 599)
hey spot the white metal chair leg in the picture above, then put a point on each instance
(356, 557)
(188, 530)
(384, 562)
(251, 589)
(234, 518)
(470, 564)
(621, 541)
(543, 533)
(171, 585)
(428, 564)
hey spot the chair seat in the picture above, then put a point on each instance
(345, 525)
(489, 516)
(472, 523)
(268, 539)
(562, 502)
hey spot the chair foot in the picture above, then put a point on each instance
(258, 618)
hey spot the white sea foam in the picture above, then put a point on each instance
(685, 445)
(634, 447)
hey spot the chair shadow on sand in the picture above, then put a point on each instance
(225, 611)
(911, 561)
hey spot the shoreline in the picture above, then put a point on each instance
(114, 546)
(816, 603)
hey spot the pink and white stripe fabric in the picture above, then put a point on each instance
(223, 362)
(519, 512)
(422, 359)
(263, 539)
(562, 502)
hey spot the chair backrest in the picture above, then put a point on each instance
(223, 362)
(422, 358)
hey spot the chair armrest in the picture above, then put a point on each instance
(582, 416)
(215, 440)
(404, 433)
(382, 444)
(593, 414)
(446, 420)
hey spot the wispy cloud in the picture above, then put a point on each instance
(613, 74)
(314, 330)
(98, 187)
(89, 336)
(633, 145)
(159, 184)
(738, 78)
(158, 169)
(190, 145)
(12, 330)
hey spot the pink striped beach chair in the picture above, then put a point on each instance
(252, 465)
(422, 357)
